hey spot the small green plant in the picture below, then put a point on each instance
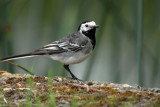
(30, 83)
(129, 102)
(38, 101)
(29, 93)
(28, 99)
(51, 102)
(74, 102)
(2, 102)
(113, 100)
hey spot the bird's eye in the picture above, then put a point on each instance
(86, 25)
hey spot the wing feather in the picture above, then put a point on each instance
(58, 47)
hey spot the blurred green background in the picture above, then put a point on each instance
(128, 41)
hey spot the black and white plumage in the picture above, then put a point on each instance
(71, 49)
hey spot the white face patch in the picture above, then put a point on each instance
(87, 26)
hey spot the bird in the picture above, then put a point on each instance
(71, 49)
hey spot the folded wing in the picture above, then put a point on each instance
(58, 47)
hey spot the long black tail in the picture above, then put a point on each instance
(18, 56)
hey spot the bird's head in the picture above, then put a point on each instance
(87, 26)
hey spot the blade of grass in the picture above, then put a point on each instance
(52, 100)
(28, 100)
(20, 67)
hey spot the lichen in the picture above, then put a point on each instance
(23, 90)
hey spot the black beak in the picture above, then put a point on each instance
(96, 26)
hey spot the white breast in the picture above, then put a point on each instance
(74, 59)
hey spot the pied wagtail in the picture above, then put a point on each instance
(71, 49)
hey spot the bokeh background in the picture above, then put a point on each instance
(128, 41)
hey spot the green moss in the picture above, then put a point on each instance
(156, 103)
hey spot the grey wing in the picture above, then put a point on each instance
(58, 47)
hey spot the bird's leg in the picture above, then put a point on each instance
(73, 76)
